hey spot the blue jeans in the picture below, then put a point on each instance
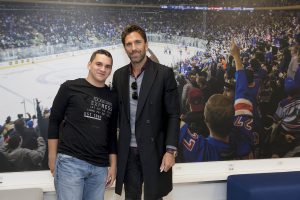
(75, 179)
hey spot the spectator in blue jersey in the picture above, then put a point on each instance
(230, 126)
(82, 133)
(286, 128)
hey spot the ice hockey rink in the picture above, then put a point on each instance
(40, 78)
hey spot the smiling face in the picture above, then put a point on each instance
(136, 47)
(99, 69)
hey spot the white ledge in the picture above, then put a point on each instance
(183, 172)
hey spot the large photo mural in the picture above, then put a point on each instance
(43, 44)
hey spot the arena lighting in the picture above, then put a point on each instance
(216, 8)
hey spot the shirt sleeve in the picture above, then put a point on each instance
(58, 111)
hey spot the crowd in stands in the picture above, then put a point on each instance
(76, 25)
(270, 55)
(269, 47)
(23, 142)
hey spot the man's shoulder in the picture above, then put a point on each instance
(121, 69)
(161, 69)
(290, 101)
(74, 82)
(158, 65)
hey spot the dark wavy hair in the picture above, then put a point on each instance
(133, 28)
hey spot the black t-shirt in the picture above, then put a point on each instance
(84, 119)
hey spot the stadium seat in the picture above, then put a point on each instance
(265, 186)
(22, 194)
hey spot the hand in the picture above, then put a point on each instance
(289, 138)
(168, 161)
(234, 50)
(111, 176)
(273, 129)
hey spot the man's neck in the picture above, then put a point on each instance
(95, 83)
(137, 67)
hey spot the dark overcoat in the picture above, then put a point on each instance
(157, 125)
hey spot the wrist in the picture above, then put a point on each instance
(171, 151)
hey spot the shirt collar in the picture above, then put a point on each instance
(142, 69)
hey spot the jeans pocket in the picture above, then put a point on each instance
(64, 159)
(63, 156)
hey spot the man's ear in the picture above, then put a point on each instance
(89, 65)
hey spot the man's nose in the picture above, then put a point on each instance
(133, 47)
(102, 68)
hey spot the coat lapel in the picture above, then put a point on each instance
(125, 90)
(148, 79)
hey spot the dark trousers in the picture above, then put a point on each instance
(133, 181)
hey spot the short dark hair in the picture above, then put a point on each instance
(8, 120)
(100, 51)
(19, 125)
(133, 28)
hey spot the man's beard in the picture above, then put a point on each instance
(137, 59)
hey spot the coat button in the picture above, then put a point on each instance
(148, 121)
(152, 139)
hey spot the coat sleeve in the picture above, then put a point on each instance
(171, 104)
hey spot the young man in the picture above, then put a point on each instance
(148, 121)
(82, 133)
